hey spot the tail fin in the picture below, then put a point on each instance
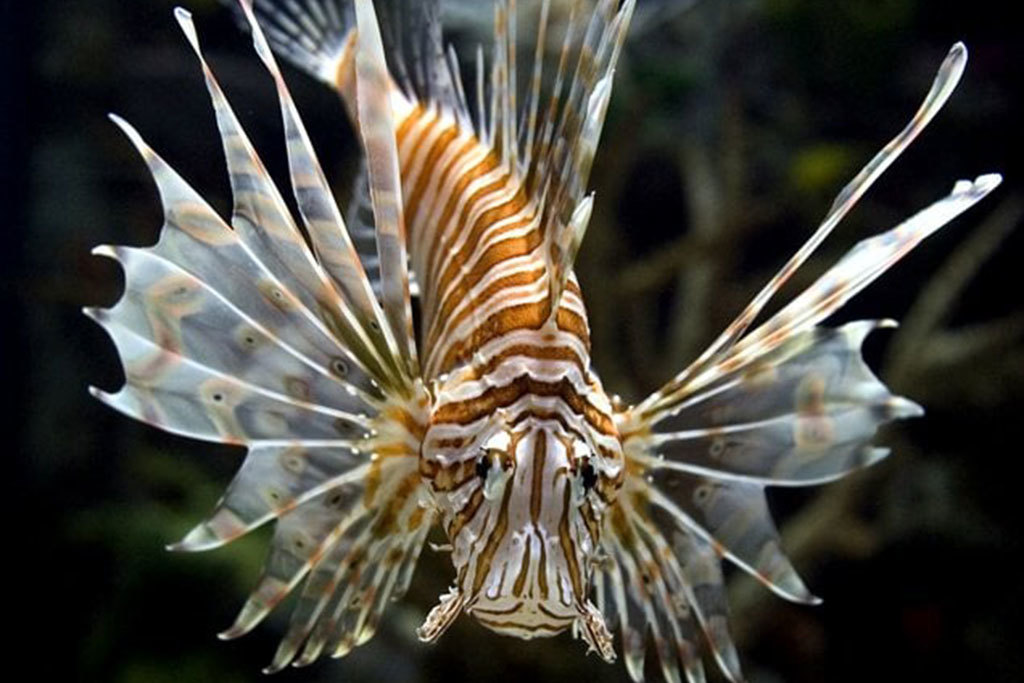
(316, 36)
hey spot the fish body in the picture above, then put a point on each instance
(518, 420)
(563, 509)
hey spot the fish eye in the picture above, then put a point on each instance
(483, 465)
(494, 467)
(588, 475)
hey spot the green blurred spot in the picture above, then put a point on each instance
(879, 15)
(174, 494)
(192, 668)
(821, 168)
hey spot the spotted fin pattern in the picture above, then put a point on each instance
(797, 416)
(245, 334)
(536, 158)
(786, 404)
(320, 36)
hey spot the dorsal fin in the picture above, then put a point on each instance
(551, 148)
(563, 143)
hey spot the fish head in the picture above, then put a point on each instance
(523, 501)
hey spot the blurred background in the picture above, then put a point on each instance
(732, 126)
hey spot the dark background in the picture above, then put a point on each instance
(732, 126)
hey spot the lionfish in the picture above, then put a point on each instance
(563, 508)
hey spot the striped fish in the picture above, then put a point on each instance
(366, 428)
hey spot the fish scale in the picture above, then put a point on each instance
(562, 509)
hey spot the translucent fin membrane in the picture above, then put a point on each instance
(872, 262)
(260, 214)
(243, 334)
(311, 34)
(800, 415)
(786, 404)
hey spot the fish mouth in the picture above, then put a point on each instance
(525, 619)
